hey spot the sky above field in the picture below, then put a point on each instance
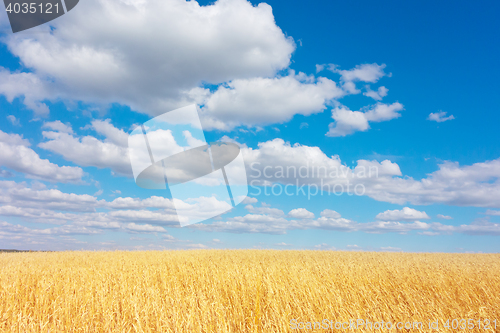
(391, 108)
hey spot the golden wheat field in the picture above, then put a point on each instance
(246, 291)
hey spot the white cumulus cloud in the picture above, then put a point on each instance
(300, 213)
(151, 55)
(348, 122)
(405, 214)
(440, 117)
(15, 154)
(58, 126)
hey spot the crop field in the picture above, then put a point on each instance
(248, 291)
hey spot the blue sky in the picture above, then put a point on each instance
(408, 89)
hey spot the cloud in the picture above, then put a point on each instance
(88, 151)
(405, 214)
(19, 195)
(16, 199)
(390, 248)
(348, 122)
(493, 212)
(250, 223)
(84, 214)
(228, 57)
(278, 162)
(13, 120)
(136, 203)
(14, 139)
(9, 230)
(264, 210)
(300, 213)
(440, 117)
(471, 185)
(61, 237)
(376, 95)
(15, 154)
(277, 225)
(249, 200)
(189, 209)
(112, 134)
(143, 228)
(444, 217)
(6, 174)
(330, 214)
(197, 246)
(365, 73)
(151, 55)
(162, 217)
(113, 151)
(391, 226)
(58, 126)
(320, 68)
(481, 226)
(324, 247)
(267, 224)
(27, 85)
(249, 101)
(36, 215)
(169, 238)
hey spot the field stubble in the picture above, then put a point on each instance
(241, 290)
